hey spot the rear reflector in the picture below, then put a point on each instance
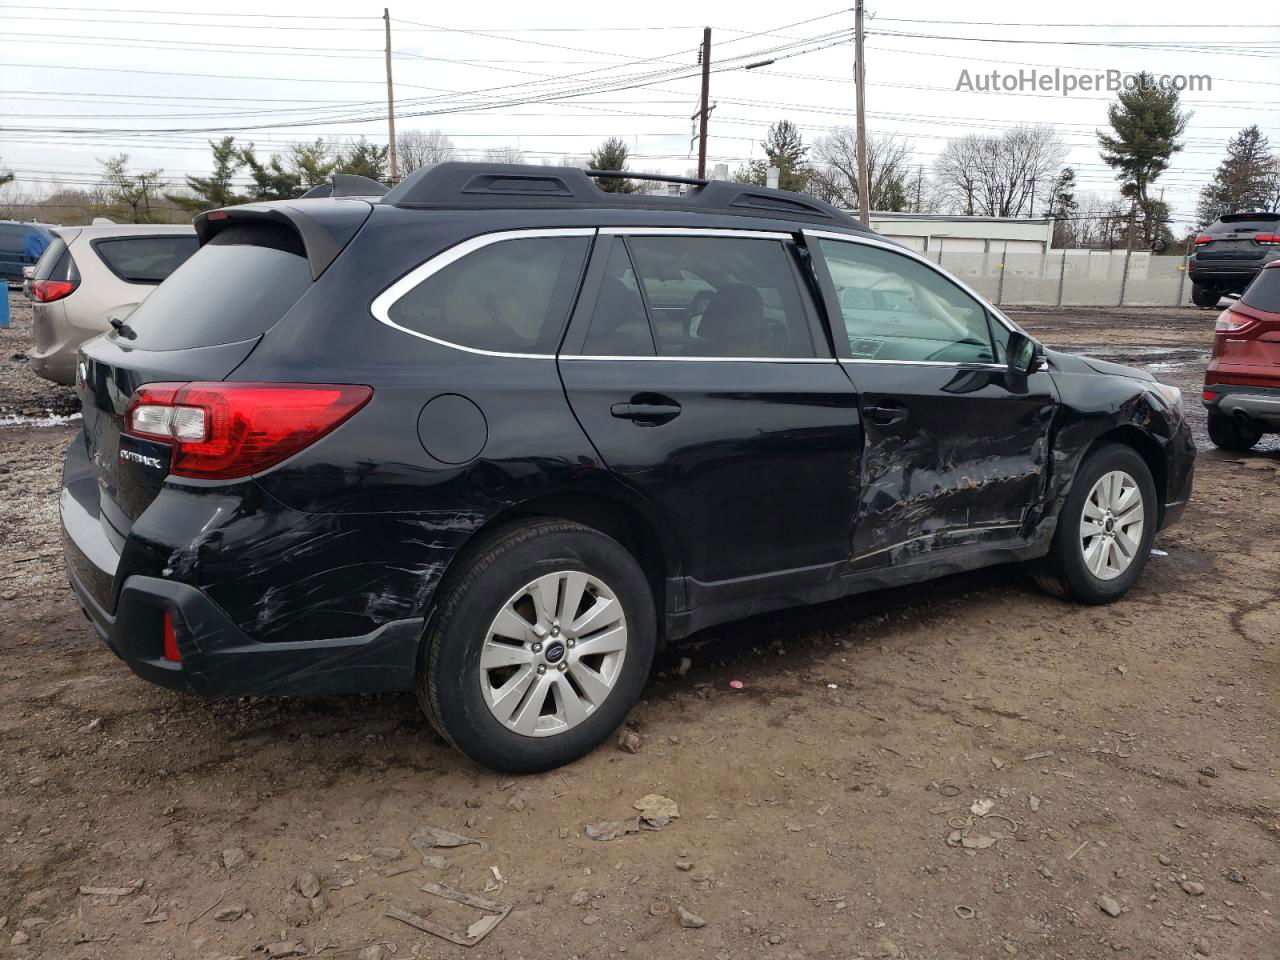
(1209, 396)
(224, 431)
(47, 291)
(170, 639)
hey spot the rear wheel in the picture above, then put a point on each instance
(539, 647)
(1204, 297)
(1105, 530)
(1229, 433)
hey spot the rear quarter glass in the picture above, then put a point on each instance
(145, 259)
(1264, 292)
(235, 287)
(55, 263)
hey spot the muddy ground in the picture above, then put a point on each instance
(1127, 752)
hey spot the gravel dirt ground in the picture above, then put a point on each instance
(965, 771)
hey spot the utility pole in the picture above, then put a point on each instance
(919, 185)
(706, 106)
(860, 82)
(391, 102)
(1031, 212)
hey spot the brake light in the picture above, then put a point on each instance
(222, 431)
(1209, 396)
(1229, 322)
(170, 639)
(1267, 239)
(47, 291)
(1203, 238)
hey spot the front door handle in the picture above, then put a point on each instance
(647, 414)
(885, 413)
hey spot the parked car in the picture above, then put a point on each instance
(485, 438)
(1229, 254)
(1242, 381)
(20, 245)
(90, 277)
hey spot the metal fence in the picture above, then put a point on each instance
(1072, 277)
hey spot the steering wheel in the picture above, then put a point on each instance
(697, 307)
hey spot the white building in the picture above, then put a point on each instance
(937, 234)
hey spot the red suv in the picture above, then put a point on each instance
(1242, 383)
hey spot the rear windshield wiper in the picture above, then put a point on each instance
(123, 329)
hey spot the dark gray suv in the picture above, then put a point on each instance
(1230, 253)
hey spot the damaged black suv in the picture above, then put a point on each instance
(497, 435)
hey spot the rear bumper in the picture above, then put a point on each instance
(1256, 403)
(218, 660)
(1227, 275)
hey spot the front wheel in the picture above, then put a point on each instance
(1229, 433)
(539, 647)
(1105, 530)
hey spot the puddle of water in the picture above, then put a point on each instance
(48, 420)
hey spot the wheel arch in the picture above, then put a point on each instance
(626, 519)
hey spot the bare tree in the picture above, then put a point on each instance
(998, 176)
(418, 148)
(892, 175)
(504, 155)
(135, 195)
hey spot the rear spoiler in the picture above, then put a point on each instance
(347, 185)
(325, 229)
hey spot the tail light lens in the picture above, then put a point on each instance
(1267, 239)
(170, 640)
(47, 291)
(1229, 322)
(223, 431)
(1203, 238)
(1209, 396)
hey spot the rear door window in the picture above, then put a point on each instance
(718, 296)
(512, 296)
(11, 240)
(145, 259)
(235, 287)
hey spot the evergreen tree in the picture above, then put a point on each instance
(611, 155)
(1244, 180)
(215, 190)
(1063, 206)
(271, 181)
(313, 163)
(364, 159)
(785, 149)
(1146, 123)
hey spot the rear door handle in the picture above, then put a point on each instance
(646, 413)
(885, 414)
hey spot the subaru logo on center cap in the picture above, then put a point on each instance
(554, 652)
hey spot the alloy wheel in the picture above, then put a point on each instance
(553, 653)
(1111, 527)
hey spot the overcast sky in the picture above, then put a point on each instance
(84, 82)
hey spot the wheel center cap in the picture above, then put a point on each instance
(1110, 524)
(554, 652)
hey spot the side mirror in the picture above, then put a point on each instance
(1025, 355)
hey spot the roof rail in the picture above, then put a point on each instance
(347, 185)
(458, 185)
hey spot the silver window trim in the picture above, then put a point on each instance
(728, 232)
(936, 268)
(588, 356)
(383, 302)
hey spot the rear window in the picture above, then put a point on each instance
(1264, 292)
(512, 296)
(1246, 223)
(236, 287)
(145, 259)
(55, 263)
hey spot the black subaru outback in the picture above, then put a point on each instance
(497, 435)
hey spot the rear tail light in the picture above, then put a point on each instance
(47, 291)
(170, 639)
(1209, 396)
(1203, 238)
(1230, 322)
(1267, 239)
(223, 431)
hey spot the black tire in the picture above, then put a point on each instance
(449, 678)
(1063, 572)
(1204, 297)
(1228, 433)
